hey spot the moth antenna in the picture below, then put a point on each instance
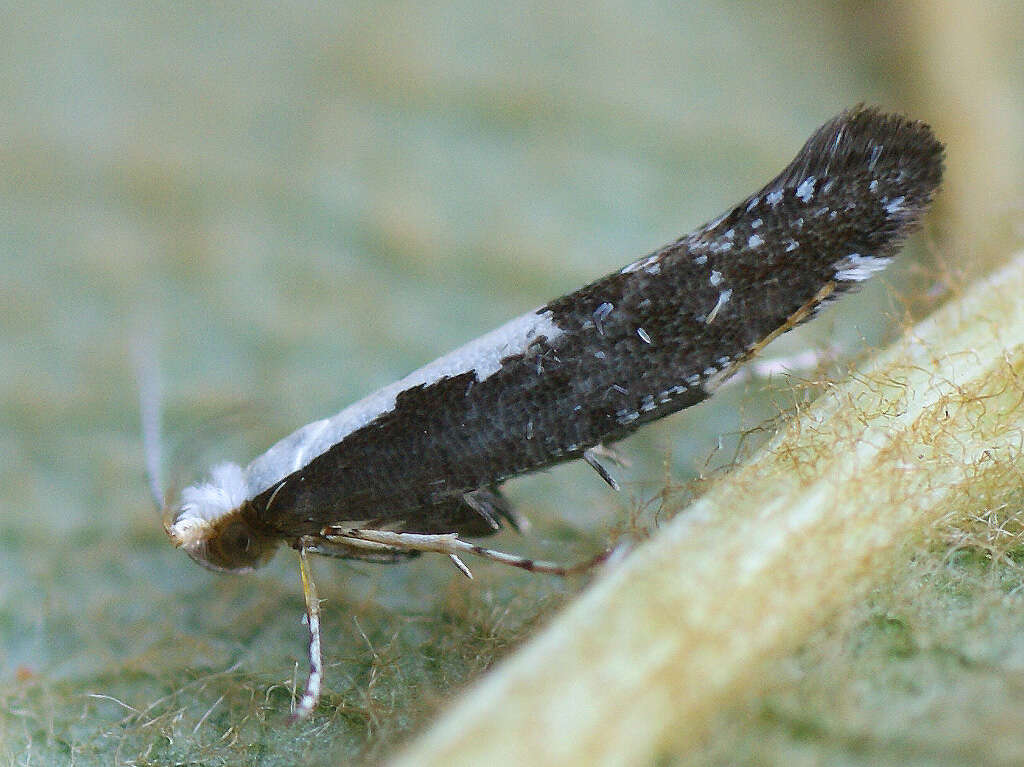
(147, 374)
(451, 545)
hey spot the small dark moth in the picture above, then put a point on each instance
(416, 466)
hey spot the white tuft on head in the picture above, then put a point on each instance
(225, 492)
(207, 502)
(856, 268)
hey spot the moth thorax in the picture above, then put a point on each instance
(229, 542)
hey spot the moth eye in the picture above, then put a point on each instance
(238, 548)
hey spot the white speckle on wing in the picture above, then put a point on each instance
(895, 206)
(791, 245)
(654, 268)
(700, 260)
(648, 404)
(716, 278)
(755, 241)
(806, 190)
(644, 263)
(627, 416)
(774, 197)
(757, 223)
(876, 152)
(601, 314)
(873, 186)
(723, 299)
(724, 243)
(855, 267)
(481, 356)
(753, 204)
(643, 335)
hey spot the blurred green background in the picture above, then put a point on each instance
(301, 202)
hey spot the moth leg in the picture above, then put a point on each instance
(449, 544)
(360, 550)
(490, 504)
(311, 693)
(591, 458)
(460, 566)
(487, 505)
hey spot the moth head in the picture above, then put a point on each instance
(212, 526)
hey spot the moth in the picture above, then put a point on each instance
(417, 466)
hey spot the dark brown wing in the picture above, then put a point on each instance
(634, 346)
